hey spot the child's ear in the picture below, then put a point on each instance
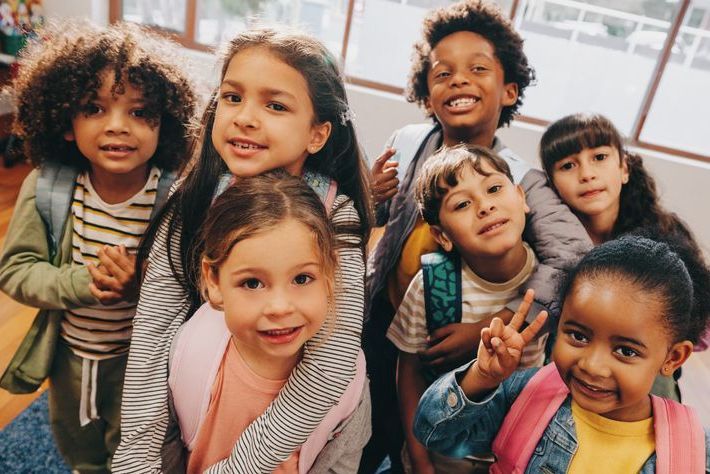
(521, 192)
(427, 107)
(624, 170)
(510, 94)
(319, 136)
(441, 238)
(69, 136)
(677, 355)
(211, 282)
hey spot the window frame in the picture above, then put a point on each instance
(187, 39)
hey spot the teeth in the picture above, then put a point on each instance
(494, 226)
(279, 332)
(462, 101)
(246, 146)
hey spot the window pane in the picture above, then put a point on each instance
(382, 35)
(592, 58)
(168, 14)
(220, 20)
(679, 114)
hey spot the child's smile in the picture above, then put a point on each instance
(467, 89)
(610, 347)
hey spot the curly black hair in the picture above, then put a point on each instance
(62, 68)
(485, 19)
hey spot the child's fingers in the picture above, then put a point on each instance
(529, 332)
(519, 317)
(105, 297)
(379, 163)
(505, 358)
(119, 257)
(497, 327)
(486, 340)
(440, 334)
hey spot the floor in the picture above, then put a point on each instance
(15, 320)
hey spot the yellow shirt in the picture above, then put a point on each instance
(419, 242)
(610, 446)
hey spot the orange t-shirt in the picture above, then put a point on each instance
(238, 397)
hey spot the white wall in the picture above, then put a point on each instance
(684, 184)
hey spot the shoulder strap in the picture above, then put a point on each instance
(680, 438)
(442, 289)
(195, 356)
(325, 187)
(407, 141)
(166, 180)
(527, 420)
(54, 193)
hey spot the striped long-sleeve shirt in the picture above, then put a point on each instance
(104, 331)
(315, 385)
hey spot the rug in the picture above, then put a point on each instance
(26, 444)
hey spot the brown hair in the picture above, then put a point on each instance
(340, 159)
(442, 171)
(62, 68)
(639, 203)
(255, 204)
(485, 19)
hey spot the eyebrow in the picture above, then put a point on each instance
(471, 58)
(267, 92)
(629, 340)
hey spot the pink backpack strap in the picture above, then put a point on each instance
(680, 438)
(195, 357)
(527, 420)
(330, 196)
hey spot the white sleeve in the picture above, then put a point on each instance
(408, 329)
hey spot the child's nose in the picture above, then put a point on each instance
(245, 116)
(279, 304)
(587, 173)
(485, 208)
(116, 123)
(594, 364)
(459, 78)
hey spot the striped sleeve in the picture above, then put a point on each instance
(161, 310)
(318, 382)
(408, 331)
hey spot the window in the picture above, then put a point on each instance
(640, 62)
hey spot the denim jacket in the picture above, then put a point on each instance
(449, 423)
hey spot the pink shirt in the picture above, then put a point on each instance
(238, 397)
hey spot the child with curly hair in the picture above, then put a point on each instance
(104, 117)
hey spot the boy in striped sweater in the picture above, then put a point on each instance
(103, 114)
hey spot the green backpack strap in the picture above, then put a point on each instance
(442, 289)
(53, 196)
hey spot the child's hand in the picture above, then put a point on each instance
(115, 278)
(384, 177)
(451, 346)
(502, 345)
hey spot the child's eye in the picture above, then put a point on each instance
(140, 113)
(566, 166)
(303, 279)
(626, 352)
(478, 68)
(600, 157)
(277, 107)
(91, 109)
(577, 336)
(252, 284)
(441, 74)
(231, 97)
(462, 205)
(495, 189)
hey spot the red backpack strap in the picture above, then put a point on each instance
(680, 438)
(527, 420)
